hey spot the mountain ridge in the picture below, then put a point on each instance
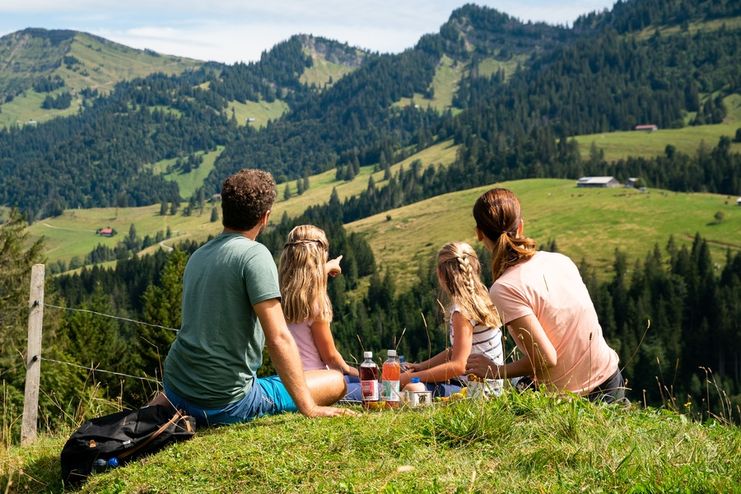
(515, 85)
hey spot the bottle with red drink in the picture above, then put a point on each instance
(369, 380)
(390, 375)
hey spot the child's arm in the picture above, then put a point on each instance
(456, 365)
(438, 359)
(540, 354)
(324, 342)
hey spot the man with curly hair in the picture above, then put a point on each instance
(231, 308)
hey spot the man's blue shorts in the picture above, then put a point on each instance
(267, 396)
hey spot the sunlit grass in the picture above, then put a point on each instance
(518, 443)
(586, 223)
(620, 145)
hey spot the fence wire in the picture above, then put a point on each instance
(88, 311)
(104, 371)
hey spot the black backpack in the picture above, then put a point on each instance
(115, 439)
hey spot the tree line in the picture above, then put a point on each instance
(670, 316)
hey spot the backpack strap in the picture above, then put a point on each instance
(175, 418)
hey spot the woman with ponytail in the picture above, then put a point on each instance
(546, 307)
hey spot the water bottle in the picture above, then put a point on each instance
(101, 465)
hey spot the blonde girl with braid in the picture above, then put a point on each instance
(546, 307)
(474, 326)
(303, 272)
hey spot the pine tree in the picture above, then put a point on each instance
(162, 307)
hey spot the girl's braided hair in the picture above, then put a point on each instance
(459, 273)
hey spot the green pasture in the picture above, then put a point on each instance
(261, 111)
(321, 185)
(27, 108)
(101, 64)
(322, 71)
(490, 65)
(730, 23)
(586, 223)
(106, 63)
(444, 86)
(620, 145)
(188, 182)
(73, 233)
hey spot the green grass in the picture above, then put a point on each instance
(73, 233)
(101, 65)
(27, 107)
(586, 223)
(321, 185)
(260, 111)
(490, 65)
(518, 443)
(320, 73)
(730, 23)
(444, 85)
(620, 145)
(107, 63)
(188, 182)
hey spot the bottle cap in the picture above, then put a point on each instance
(367, 354)
(415, 380)
(392, 353)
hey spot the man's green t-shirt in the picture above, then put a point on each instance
(215, 357)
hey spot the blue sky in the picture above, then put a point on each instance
(234, 30)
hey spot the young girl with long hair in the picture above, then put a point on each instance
(304, 268)
(474, 324)
(546, 307)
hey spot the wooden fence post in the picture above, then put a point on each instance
(33, 357)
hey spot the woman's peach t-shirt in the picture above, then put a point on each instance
(549, 286)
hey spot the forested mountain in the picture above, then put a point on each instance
(43, 72)
(514, 82)
(631, 15)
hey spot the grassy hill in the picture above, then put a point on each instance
(518, 443)
(188, 182)
(618, 145)
(81, 60)
(73, 233)
(444, 86)
(256, 113)
(586, 223)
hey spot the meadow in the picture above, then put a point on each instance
(100, 65)
(256, 113)
(188, 182)
(526, 442)
(323, 71)
(620, 145)
(444, 86)
(585, 223)
(73, 233)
